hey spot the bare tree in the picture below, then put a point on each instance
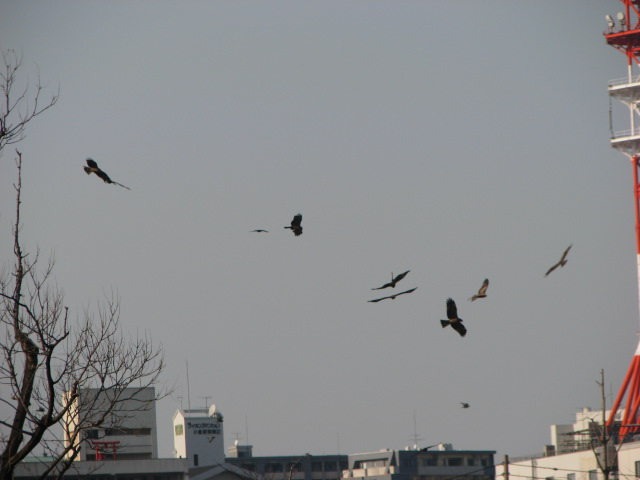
(18, 109)
(60, 377)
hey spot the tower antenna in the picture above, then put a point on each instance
(626, 39)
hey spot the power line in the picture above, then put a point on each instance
(470, 473)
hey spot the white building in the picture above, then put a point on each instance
(574, 453)
(578, 435)
(128, 430)
(198, 436)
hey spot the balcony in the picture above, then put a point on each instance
(627, 142)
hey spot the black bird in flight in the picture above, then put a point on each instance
(454, 320)
(260, 230)
(393, 297)
(464, 404)
(561, 263)
(394, 281)
(295, 227)
(93, 168)
(483, 290)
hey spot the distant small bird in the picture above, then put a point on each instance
(394, 281)
(295, 227)
(561, 263)
(454, 320)
(260, 230)
(93, 168)
(464, 405)
(393, 297)
(483, 290)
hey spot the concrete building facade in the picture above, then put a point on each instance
(129, 431)
(198, 436)
(288, 467)
(576, 453)
(443, 462)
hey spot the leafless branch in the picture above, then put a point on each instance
(17, 109)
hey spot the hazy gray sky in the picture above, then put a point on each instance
(458, 139)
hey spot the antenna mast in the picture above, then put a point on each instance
(416, 437)
(188, 388)
(625, 37)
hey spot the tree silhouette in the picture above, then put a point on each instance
(47, 360)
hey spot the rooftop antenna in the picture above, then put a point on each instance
(188, 388)
(246, 429)
(416, 437)
(206, 401)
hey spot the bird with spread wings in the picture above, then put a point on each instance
(296, 226)
(92, 167)
(483, 290)
(561, 263)
(394, 281)
(393, 297)
(453, 319)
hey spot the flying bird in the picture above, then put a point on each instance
(295, 227)
(454, 320)
(561, 263)
(394, 281)
(464, 404)
(92, 167)
(393, 297)
(483, 290)
(260, 230)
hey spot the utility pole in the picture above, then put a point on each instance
(506, 467)
(603, 438)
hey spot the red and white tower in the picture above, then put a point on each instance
(623, 34)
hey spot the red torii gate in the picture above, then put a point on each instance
(101, 447)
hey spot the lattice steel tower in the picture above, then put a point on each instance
(623, 33)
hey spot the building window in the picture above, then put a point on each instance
(457, 462)
(138, 432)
(470, 462)
(195, 460)
(430, 462)
(638, 469)
(572, 476)
(593, 475)
(330, 466)
(249, 466)
(273, 467)
(316, 466)
(409, 462)
(179, 429)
